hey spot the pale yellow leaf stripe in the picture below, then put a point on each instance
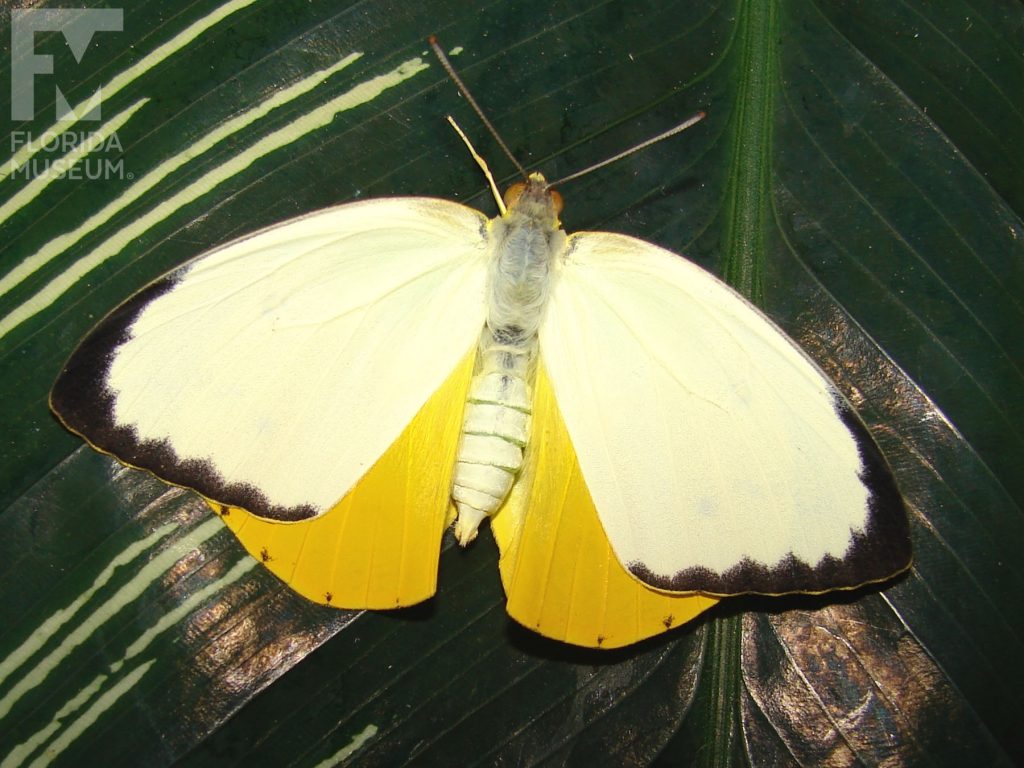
(312, 121)
(147, 575)
(349, 749)
(56, 169)
(41, 634)
(59, 244)
(20, 753)
(75, 728)
(154, 571)
(122, 79)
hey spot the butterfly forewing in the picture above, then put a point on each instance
(719, 457)
(272, 373)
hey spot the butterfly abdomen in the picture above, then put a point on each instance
(496, 423)
(495, 430)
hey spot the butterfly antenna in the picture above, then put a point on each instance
(642, 145)
(479, 161)
(472, 102)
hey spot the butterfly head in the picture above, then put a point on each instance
(535, 200)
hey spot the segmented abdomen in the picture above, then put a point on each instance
(495, 430)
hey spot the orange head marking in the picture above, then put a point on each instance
(534, 199)
(556, 200)
(513, 193)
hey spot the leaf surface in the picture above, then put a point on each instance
(859, 174)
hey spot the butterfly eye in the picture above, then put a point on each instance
(556, 200)
(513, 193)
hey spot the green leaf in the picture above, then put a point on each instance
(859, 174)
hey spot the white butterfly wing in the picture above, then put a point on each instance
(719, 457)
(271, 373)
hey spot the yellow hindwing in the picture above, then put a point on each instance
(378, 547)
(558, 569)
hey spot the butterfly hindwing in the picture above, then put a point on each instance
(719, 457)
(559, 572)
(377, 547)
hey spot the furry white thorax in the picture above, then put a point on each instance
(526, 240)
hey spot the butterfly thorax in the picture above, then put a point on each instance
(525, 242)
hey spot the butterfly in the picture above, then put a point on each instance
(343, 387)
